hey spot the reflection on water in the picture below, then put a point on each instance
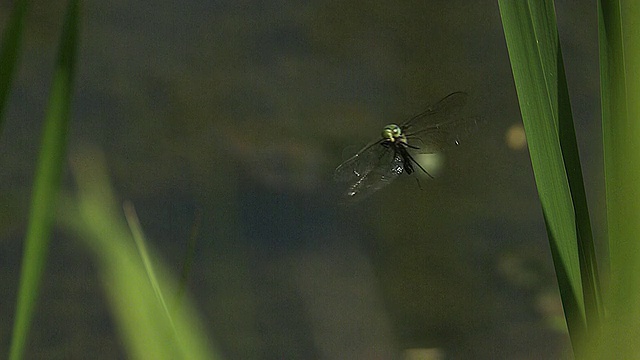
(279, 161)
(242, 109)
(515, 137)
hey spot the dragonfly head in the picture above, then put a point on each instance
(393, 133)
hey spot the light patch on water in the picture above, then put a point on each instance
(433, 163)
(515, 137)
(424, 354)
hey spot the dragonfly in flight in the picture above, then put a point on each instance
(441, 125)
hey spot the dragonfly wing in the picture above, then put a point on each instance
(443, 111)
(440, 126)
(370, 170)
(441, 136)
(390, 167)
(361, 163)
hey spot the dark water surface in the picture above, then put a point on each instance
(238, 112)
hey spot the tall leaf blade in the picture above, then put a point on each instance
(619, 34)
(536, 60)
(47, 181)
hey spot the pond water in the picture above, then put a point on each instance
(237, 113)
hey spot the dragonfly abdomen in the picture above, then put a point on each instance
(406, 158)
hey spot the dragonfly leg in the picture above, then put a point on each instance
(406, 153)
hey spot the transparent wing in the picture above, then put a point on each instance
(440, 126)
(369, 170)
(361, 163)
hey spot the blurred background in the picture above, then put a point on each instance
(229, 117)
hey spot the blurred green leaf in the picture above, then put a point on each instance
(9, 51)
(619, 38)
(139, 239)
(134, 280)
(47, 181)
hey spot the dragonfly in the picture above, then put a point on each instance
(376, 165)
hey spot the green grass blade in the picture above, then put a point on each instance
(134, 291)
(47, 181)
(9, 52)
(139, 239)
(619, 38)
(536, 60)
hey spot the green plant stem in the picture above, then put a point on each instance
(47, 181)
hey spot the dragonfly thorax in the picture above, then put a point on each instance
(393, 133)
